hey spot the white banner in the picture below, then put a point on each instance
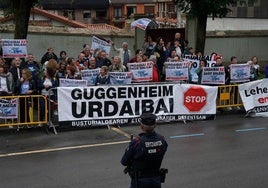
(141, 72)
(98, 43)
(255, 96)
(120, 78)
(9, 108)
(213, 75)
(90, 76)
(177, 71)
(14, 48)
(72, 83)
(107, 105)
(194, 63)
(239, 73)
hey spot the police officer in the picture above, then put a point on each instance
(144, 155)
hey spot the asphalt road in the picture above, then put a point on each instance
(230, 151)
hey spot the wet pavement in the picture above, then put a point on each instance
(230, 151)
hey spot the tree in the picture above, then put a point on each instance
(21, 10)
(201, 9)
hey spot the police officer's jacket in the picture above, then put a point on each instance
(145, 153)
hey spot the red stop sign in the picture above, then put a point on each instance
(195, 98)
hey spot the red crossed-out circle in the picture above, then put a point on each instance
(195, 98)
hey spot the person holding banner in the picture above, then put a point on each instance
(117, 65)
(199, 70)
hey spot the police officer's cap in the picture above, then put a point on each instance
(148, 119)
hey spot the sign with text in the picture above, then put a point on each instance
(239, 73)
(255, 96)
(14, 48)
(176, 71)
(120, 77)
(213, 75)
(9, 108)
(90, 76)
(141, 72)
(121, 104)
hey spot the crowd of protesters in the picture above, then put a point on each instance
(46, 73)
(28, 76)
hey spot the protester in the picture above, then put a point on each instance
(144, 155)
(49, 55)
(124, 53)
(134, 59)
(92, 63)
(63, 56)
(102, 60)
(103, 77)
(70, 72)
(117, 65)
(61, 73)
(253, 71)
(6, 82)
(48, 82)
(160, 52)
(256, 66)
(148, 46)
(199, 70)
(16, 69)
(33, 67)
(25, 86)
(155, 69)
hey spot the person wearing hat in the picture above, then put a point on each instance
(144, 155)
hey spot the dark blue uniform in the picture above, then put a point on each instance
(144, 157)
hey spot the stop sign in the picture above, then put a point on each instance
(195, 98)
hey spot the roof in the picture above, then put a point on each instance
(74, 4)
(61, 19)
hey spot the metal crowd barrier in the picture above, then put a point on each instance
(31, 111)
(228, 96)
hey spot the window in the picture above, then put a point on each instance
(69, 14)
(87, 14)
(246, 3)
(130, 11)
(101, 13)
(118, 12)
(149, 9)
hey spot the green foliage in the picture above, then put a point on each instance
(11, 6)
(214, 8)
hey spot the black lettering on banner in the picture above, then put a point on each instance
(94, 107)
(121, 92)
(110, 108)
(147, 106)
(82, 110)
(88, 93)
(100, 93)
(171, 105)
(76, 94)
(137, 107)
(161, 106)
(194, 64)
(167, 91)
(111, 93)
(153, 91)
(126, 109)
